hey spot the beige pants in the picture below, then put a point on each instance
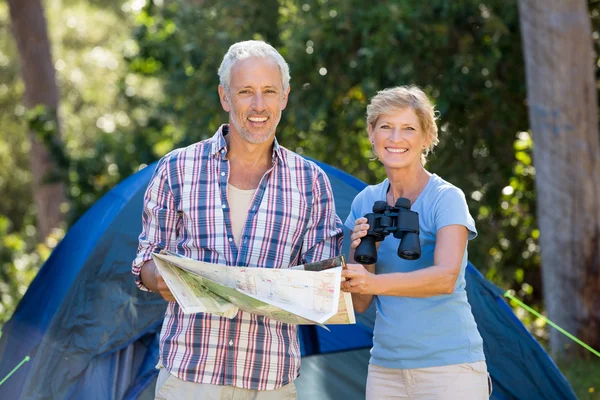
(468, 381)
(169, 387)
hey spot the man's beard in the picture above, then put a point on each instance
(247, 135)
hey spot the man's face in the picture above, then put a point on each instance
(256, 99)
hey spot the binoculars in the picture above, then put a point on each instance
(385, 219)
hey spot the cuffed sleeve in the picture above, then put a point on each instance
(159, 219)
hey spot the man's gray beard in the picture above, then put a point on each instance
(246, 135)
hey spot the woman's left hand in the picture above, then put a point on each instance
(358, 279)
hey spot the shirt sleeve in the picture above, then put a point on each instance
(356, 211)
(159, 219)
(323, 237)
(452, 209)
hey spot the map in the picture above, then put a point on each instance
(305, 294)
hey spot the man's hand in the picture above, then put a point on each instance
(154, 281)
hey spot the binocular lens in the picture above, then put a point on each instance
(409, 255)
(410, 247)
(366, 252)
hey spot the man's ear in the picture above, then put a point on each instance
(285, 98)
(224, 98)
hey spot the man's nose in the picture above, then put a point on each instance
(259, 102)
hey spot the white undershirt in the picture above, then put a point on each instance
(239, 203)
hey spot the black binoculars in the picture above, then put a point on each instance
(385, 219)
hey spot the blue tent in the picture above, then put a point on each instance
(91, 334)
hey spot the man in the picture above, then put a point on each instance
(236, 199)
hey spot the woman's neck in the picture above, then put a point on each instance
(408, 184)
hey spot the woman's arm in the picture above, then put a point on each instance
(438, 279)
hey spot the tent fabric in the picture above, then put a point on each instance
(92, 334)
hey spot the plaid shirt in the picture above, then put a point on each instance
(291, 221)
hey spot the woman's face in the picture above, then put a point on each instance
(398, 139)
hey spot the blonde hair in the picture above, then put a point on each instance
(390, 100)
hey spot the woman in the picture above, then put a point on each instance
(425, 343)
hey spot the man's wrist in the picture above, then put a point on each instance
(148, 275)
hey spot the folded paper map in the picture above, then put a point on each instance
(304, 294)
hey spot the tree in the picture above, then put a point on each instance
(563, 114)
(37, 69)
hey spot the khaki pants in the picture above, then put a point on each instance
(169, 387)
(468, 381)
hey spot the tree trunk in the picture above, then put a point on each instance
(30, 32)
(562, 99)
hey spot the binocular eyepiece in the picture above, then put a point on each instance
(385, 219)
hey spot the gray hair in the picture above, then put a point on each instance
(252, 48)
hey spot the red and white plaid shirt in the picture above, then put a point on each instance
(291, 221)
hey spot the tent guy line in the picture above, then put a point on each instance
(561, 330)
(15, 369)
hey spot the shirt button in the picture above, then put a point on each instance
(224, 206)
(230, 239)
(222, 151)
(231, 342)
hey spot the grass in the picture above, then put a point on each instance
(584, 377)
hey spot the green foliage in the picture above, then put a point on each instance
(15, 180)
(584, 377)
(20, 256)
(88, 39)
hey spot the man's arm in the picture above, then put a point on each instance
(159, 224)
(323, 237)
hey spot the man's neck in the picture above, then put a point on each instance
(248, 162)
(250, 153)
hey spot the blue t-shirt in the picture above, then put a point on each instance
(422, 332)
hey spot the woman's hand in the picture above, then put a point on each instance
(360, 230)
(358, 280)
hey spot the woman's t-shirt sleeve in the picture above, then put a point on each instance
(452, 209)
(356, 210)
